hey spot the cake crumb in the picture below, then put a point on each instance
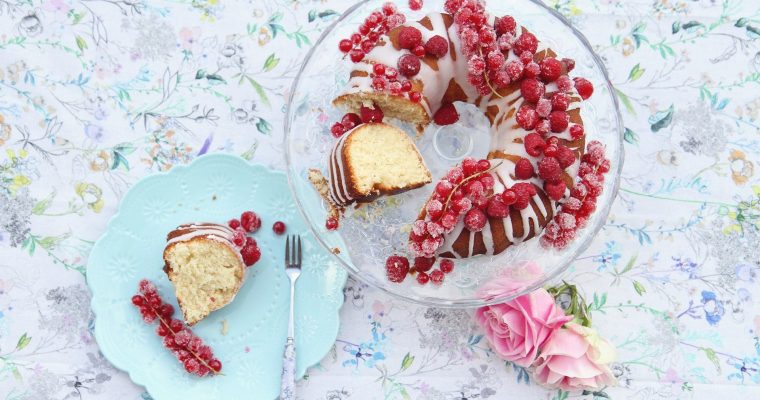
(225, 327)
(336, 250)
(213, 198)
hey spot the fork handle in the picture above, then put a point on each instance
(288, 379)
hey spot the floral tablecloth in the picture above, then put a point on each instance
(95, 94)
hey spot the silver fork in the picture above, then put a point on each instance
(293, 269)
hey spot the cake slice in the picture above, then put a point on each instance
(205, 267)
(373, 160)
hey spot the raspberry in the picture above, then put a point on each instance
(526, 58)
(508, 197)
(514, 70)
(523, 192)
(505, 24)
(462, 205)
(576, 131)
(331, 224)
(452, 6)
(495, 60)
(371, 114)
(500, 78)
(250, 221)
(551, 150)
(278, 227)
(526, 42)
(444, 188)
(558, 121)
(551, 69)
(436, 277)
(476, 65)
(565, 84)
(419, 51)
(434, 209)
(351, 120)
(337, 129)
(423, 278)
(238, 238)
(543, 127)
(531, 70)
(555, 190)
(544, 107)
(396, 267)
(532, 90)
(446, 265)
(488, 181)
(345, 45)
(437, 46)
(415, 5)
(357, 55)
(409, 65)
(446, 115)
(423, 264)
(571, 205)
(449, 220)
(415, 97)
(549, 169)
(552, 141)
(497, 208)
(505, 42)
(409, 37)
(475, 220)
(565, 156)
(560, 102)
(469, 166)
(434, 229)
(527, 117)
(584, 87)
(524, 169)
(534, 144)
(251, 254)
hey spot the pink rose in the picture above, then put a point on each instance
(575, 358)
(518, 328)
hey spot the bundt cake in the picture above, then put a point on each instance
(205, 266)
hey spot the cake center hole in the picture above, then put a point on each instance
(453, 142)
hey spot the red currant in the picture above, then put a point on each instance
(278, 227)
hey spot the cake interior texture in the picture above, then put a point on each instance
(384, 158)
(206, 275)
(394, 107)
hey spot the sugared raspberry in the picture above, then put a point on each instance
(532, 90)
(505, 42)
(430, 245)
(551, 69)
(526, 58)
(476, 65)
(446, 265)
(455, 175)
(584, 87)
(475, 220)
(565, 84)
(437, 277)
(544, 107)
(526, 42)
(396, 268)
(409, 65)
(345, 45)
(437, 46)
(434, 229)
(469, 166)
(571, 205)
(251, 254)
(505, 24)
(423, 264)
(527, 117)
(523, 193)
(565, 156)
(558, 121)
(446, 115)
(495, 60)
(515, 70)
(278, 227)
(534, 144)
(371, 114)
(555, 190)
(415, 5)
(452, 6)
(576, 131)
(250, 221)
(331, 224)
(508, 196)
(543, 127)
(409, 37)
(497, 208)
(549, 169)
(462, 205)
(560, 102)
(419, 51)
(524, 169)
(531, 70)
(423, 278)
(500, 78)
(434, 209)
(233, 223)
(357, 55)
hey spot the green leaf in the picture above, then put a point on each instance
(629, 265)
(312, 14)
(741, 22)
(125, 148)
(710, 353)
(327, 13)
(636, 72)
(41, 206)
(626, 101)
(752, 29)
(49, 242)
(676, 27)
(200, 74)
(259, 90)
(407, 362)
(30, 244)
(276, 17)
(119, 161)
(263, 126)
(23, 341)
(16, 374)
(630, 136)
(692, 24)
(215, 78)
(661, 119)
(81, 43)
(640, 289)
(124, 95)
(271, 62)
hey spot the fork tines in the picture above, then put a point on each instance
(293, 251)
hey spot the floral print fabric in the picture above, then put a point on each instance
(97, 94)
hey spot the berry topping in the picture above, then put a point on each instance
(278, 227)
(351, 120)
(462, 205)
(238, 238)
(444, 188)
(476, 65)
(527, 117)
(504, 25)
(564, 83)
(543, 127)
(555, 190)
(469, 166)
(250, 221)
(497, 208)
(534, 144)
(551, 69)
(508, 196)
(437, 46)
(138, 300)
(409, 37)
(514, 70)
(569, 64)
(455, 175)
(331, 223)
(379, 69)
(434, 209)
(488, 181)
(423, 278)
(483, 165)
(526, 42)
(423, 264)
(406, 85)
(565, 156)
(436, 277)
(576, 131)
(524, 169)
(584, 87)
(396, 267)
(233, 223)
(419, 51)
(446, 265)
(549, 169)
(346, 45)
(532, 90)
(544, 108)
(449, 220)
(531, 70)
(495, 60)
(523, 193)
(371, 114)
(251, 254)
(560, 102)
(337, 129)
(409, 65)
(415, 5)
(389, 8)
(475, 220)
(415, 97)
(446, 115)
(558, 121)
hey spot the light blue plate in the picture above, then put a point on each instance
(213, 188)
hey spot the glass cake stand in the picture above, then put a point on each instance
(369, 234)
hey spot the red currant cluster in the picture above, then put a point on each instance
(397, 268)
(576, 210)
(555, 158)
(250, 222)
(378, 23)
(189, 349)
(352, 120)
(386, 79)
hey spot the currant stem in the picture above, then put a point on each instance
(488, 81)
